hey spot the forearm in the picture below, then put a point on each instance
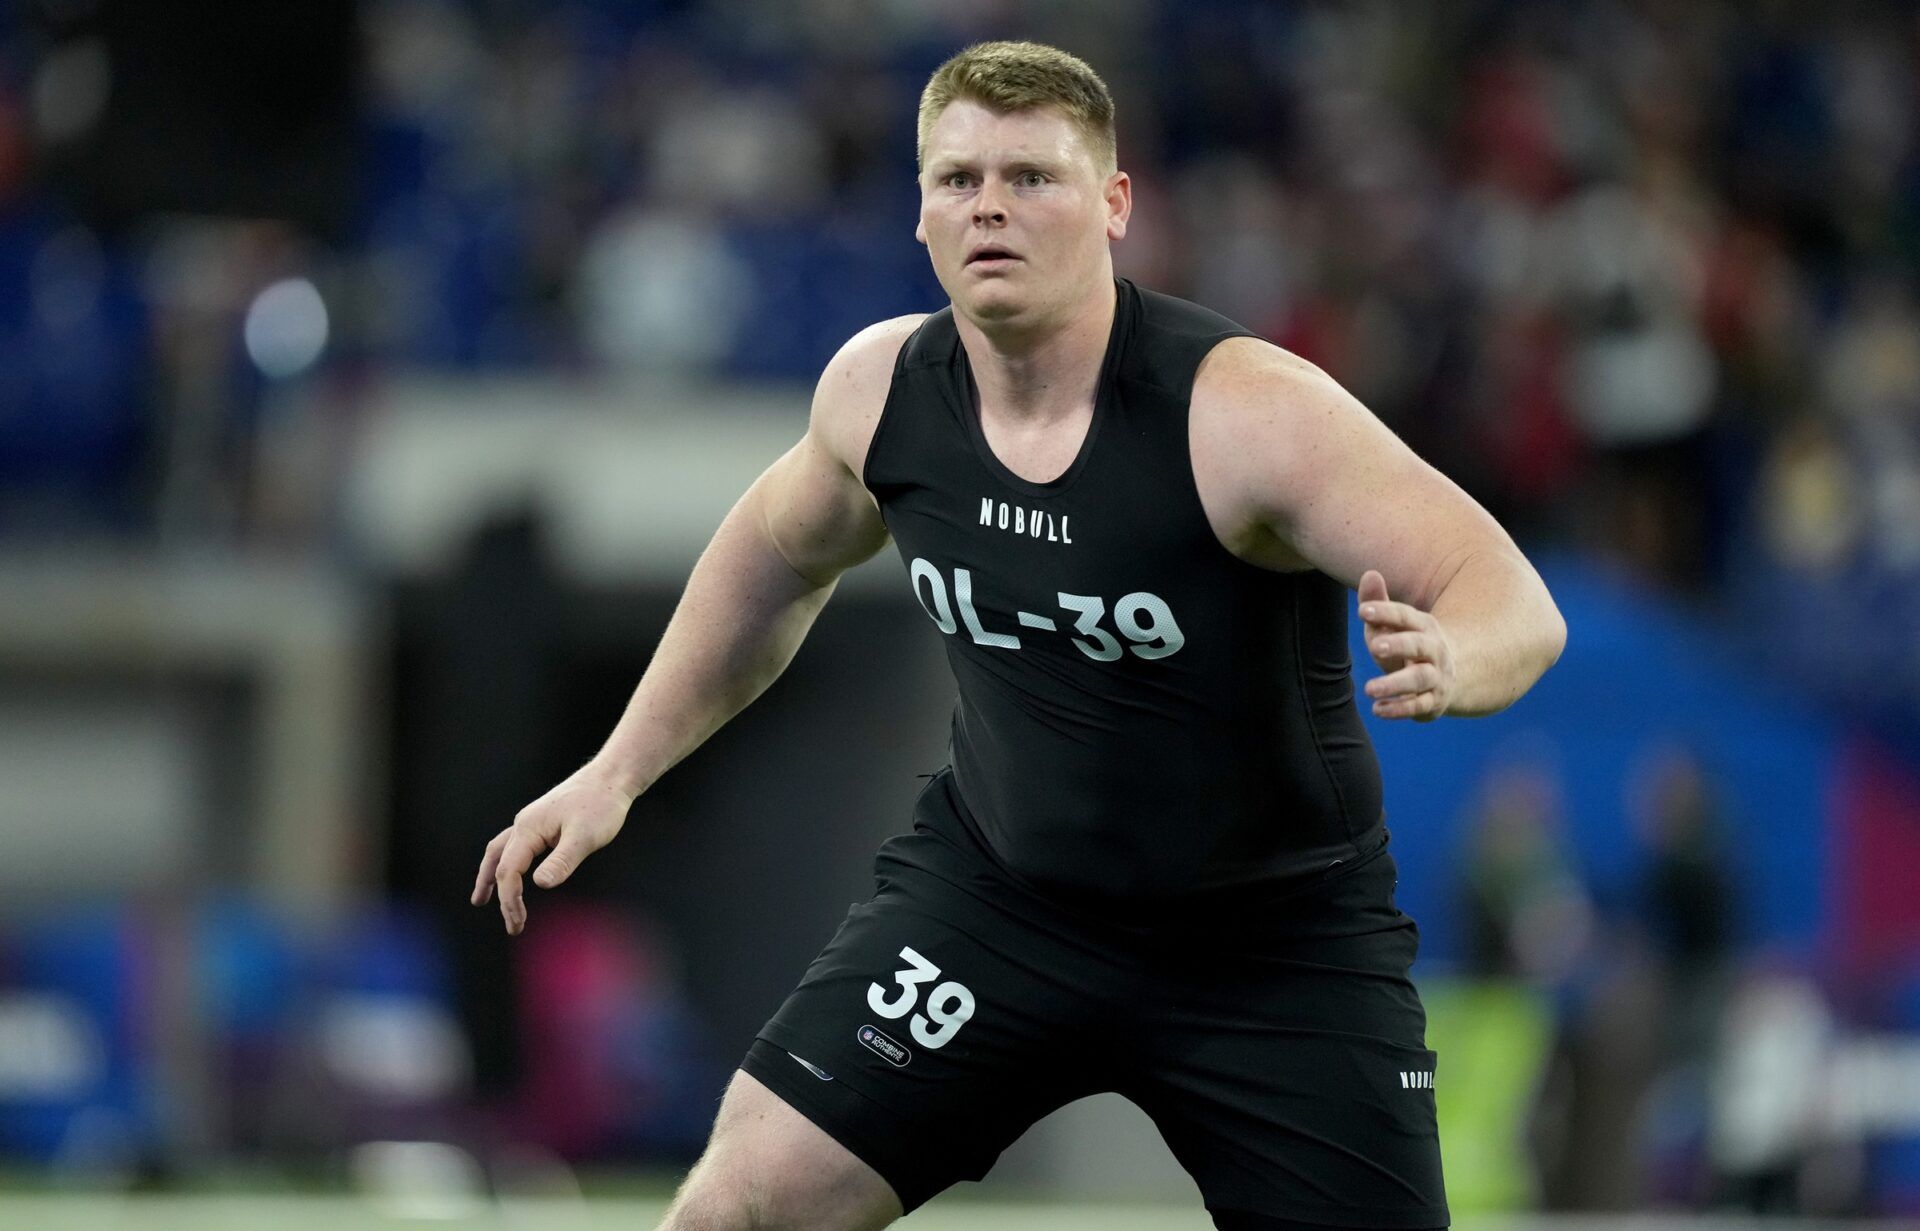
(739, 622)
(1503, 628)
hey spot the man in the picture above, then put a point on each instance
(1157, 863)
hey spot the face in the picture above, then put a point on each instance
(1016, 214)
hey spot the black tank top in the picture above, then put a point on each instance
(1144, 720)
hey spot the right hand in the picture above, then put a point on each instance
(573, 820)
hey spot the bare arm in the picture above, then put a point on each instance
(746, 609)
(1295, 473)
(748, 604)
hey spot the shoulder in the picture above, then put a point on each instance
(1249, 393)
(852, 390)
(865, 361)
(1265, 428)
(1246, 376)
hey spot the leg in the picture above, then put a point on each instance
(1283, 1060)
(943, 1017)
(767, 1167)
(932, 1031)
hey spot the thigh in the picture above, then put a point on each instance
(1292, 1078)
(768, 1166)
(930, 1033)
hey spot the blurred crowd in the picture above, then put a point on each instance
(1634, 982)
(1627, 1040)
(1639, 275)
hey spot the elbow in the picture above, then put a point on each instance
(1535, 651)
(1553, 634)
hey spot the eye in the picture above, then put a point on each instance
(1032, 179)
(957, 179)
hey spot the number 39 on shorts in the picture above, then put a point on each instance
(948, 1006)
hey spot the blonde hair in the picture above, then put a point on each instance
(1007, 77)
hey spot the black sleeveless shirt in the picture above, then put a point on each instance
(1144, 720)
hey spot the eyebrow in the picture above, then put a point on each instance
(947, 164)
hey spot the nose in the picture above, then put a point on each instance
(988, 209)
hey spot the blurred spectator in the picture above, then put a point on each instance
(1687, 893)
(661, 294)
(1687, 903)
(1528, 915)
(1767, 1109)
(1531, 919)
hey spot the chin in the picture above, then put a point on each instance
(995, 301)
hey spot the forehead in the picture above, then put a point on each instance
(970, 132)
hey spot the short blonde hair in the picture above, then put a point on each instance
(1008, 77)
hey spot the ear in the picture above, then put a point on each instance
(1119, 204)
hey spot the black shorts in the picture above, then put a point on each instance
(1278, 1046)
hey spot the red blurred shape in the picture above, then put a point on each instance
(1877, 872)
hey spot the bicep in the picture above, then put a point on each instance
(817, 514)
(1389, 510)
(1344, 494)
(817, 510)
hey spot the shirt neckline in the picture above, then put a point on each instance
(1102, 399)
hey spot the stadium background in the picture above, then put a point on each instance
(370, 375)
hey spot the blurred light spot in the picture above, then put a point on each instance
(49, 1049)
(419, 1180)
(661, 293)
(394, 1048)
(286, 328)
(70, 91)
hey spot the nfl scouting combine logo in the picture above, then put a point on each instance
(888, 1050)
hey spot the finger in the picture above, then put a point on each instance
(557, 867)
(1406, 682)
(1421, 707)
(1383, 614)
(514, 861)
(1373, 587)
(1399, 648)
(483, 882)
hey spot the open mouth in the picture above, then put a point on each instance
(992, 256)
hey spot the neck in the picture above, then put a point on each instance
(1042, 371)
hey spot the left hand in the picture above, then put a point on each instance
(1412, 649)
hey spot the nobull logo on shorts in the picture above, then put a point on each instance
(888, 1050)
